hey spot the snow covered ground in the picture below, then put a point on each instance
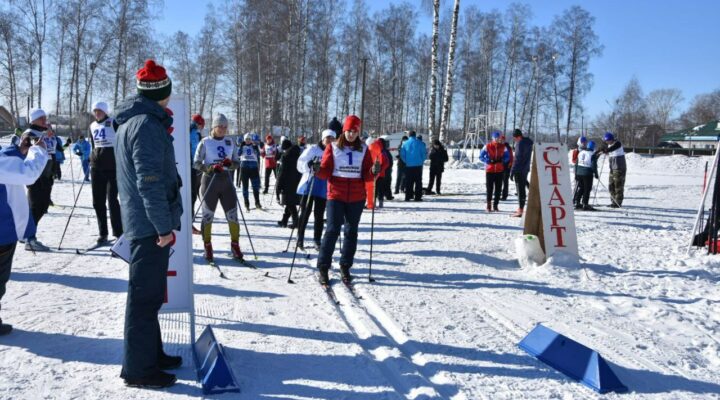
(443, 319)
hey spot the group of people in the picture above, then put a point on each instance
(585, 158)
(502, 164)
(132, 171)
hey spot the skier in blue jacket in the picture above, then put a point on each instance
(81, 148)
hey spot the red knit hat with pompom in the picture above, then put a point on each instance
(153, 82)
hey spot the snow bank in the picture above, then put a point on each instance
(677, 164)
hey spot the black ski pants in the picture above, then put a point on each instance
(521, 185)
(413, 183)
(195, 177)
(505, 183)
(147, 287)
(268, 172)
(400, 179)
(435, 179)
(584, 189)
(6, 256)
(105, 189)
(39, 197)
(316, 205)
(493, 186)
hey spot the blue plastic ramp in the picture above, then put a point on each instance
(211, 364)
(573, 359)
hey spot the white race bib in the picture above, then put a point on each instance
(348, 162)
(248, 154)
(50, 144)
(217, 150)
(270, 150)
(585, 159)
(103, 133)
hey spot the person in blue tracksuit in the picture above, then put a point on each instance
(59, 157)
(81, 148)
(249, 154)
(20, 165)
(413, 153)
(197, 124)
(317, 199)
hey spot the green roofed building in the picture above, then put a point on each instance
(703, 136)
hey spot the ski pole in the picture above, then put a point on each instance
(602, 165)
(372, 228)
(272, 194)
(705, 176)
(303, 208)
(303, 221)
(611, 196)
(72, 174)
(242, 214)
(71, 214)
(202, 200)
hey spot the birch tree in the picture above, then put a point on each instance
(447, 98)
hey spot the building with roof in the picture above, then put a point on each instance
(703, 136)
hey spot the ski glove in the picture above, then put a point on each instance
(315, 165)
(218, 168)
(376, 168)
(597, 176)
(512, 177)
(226, 162)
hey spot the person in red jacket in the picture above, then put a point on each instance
(270, 153)
(495, 156)
(375, 186)
(347, 165)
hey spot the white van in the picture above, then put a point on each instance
(393, 140)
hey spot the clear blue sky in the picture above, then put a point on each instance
(664, 43)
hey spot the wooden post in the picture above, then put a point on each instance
(533, 213)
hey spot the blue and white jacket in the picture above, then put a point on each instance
(17, 171)
(319, 188)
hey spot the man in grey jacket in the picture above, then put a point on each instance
(149, 186)
(618, 169)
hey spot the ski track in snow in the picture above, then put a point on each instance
(442, 321)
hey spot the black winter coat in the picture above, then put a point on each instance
(289, 177)
(438, 158)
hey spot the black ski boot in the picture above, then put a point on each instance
(324, 278)
(345, 274)
(5, 328)
(588, 207)
(169, 362)
(102, 239)
(156, 380)
(247, 204)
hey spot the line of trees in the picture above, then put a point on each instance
(294, 64)
(641, 119)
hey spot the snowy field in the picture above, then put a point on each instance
(442, 321)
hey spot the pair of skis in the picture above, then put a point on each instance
(242, 262)
(330, 292)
